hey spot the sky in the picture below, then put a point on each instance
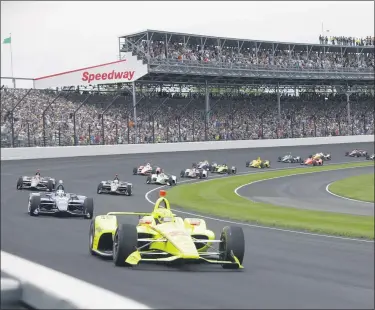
(51, 37)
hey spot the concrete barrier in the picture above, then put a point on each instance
(102, 150)
(51, 289)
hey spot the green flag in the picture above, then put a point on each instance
(7, 40)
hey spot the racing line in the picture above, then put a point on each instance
(282, 270)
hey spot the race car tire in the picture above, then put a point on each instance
(314, 163)
(148, 180)
(88, 208)
(129, 190)
(91, 237)
(182, 173)
(232, 239)
(124, 243)
(194, 165)
(247, 164)
(99, 189)
(50, 186)
(200, 174)
(234, 171)
(279, 158)
(346, 153)
(19, 183)
(170, 181)
(135, 170)
(367, 157)
(34, 205)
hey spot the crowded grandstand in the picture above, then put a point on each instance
(205, 88)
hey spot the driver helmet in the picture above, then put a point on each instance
(60, 192)
(163, 216)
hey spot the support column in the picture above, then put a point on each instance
(207, 111)
(348, 107)
(278, 103)
(135, 113)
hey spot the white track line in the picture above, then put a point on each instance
(253, 225)
(355, 200)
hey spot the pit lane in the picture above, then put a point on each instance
(282, 270)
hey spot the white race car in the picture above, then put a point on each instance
(36, 182)
(162, 179)
(146, 169)
(115, 187)
(194, 173)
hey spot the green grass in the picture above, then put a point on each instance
(358, 187)
(217, 197)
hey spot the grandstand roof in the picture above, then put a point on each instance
(197, 38)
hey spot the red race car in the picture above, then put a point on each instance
(312, 161)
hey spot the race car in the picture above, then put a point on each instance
(60, 203)
(203, 165)
(115, 187)
(356, 153)
(161, 237)
(146, 169)
(258, 163)
(322, 156)
(36, 182)
(312, 161)
(194, 173)
(290, 159)
(161, 178)
(372, 157)
(222, 169)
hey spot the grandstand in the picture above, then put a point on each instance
(203, 88)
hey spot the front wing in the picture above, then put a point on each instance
(140, 256)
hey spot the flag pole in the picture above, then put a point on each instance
(11, 61)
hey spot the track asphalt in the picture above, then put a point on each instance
(308, 191)
(282, 269)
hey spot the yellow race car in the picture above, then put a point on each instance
(258, 163)
(161, 237)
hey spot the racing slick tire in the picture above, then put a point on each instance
(88, 208)
(124, 243)
(367, 157)
(153, 171)
(232, 240)
(99, 189)
(247, 164)
(91, 237)
(19, 183)
(135, 170)
(129, 190)
(171, 182)
(50, 185)
(200, 175)
(34, 205)
(182, 173)
(148, 180)
(346, 153)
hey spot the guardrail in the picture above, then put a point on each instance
(51, 289)
(103, 150)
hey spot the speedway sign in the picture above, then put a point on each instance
(122, 71)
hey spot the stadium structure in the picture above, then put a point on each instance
(203, 73)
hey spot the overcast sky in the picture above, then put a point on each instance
(51, 37)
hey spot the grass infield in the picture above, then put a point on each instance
(358, 187)
(216, 197)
